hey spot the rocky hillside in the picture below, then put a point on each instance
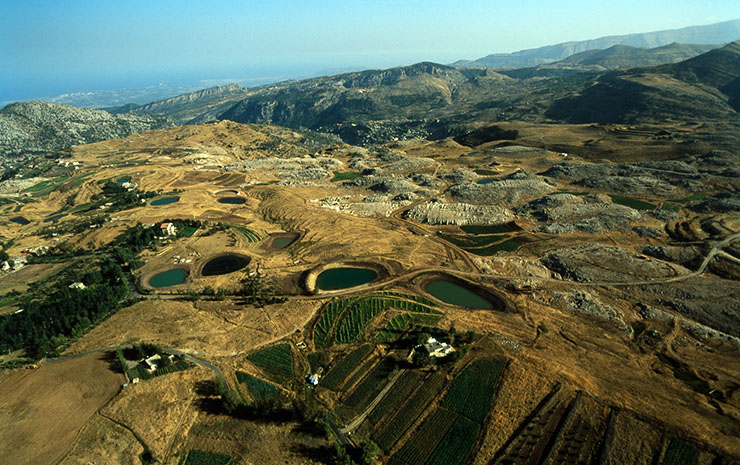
(43, 127)
(719, 33)
(200, 106)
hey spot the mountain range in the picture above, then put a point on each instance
(424, 100)
(717, 34)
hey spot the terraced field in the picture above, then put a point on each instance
(409, 412)
(371, 385)
(336, 377)
(275, 361)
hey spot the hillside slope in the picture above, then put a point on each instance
(42, 127)
(702, 88)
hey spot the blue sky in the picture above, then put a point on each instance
(50, 47)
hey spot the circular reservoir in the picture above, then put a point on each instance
(224, 264)
(164, 201)
(232, 200)
(456, 294)
(342, 278)
(20, 220)
(168, 278)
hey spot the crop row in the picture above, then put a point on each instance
(330, 313)
(471, 392)
(259, 389)
(365, 310)
(400, 391)
(407, 414)
(456, 444)
(680, 452)
(276, 360)
(250, 235)
(396, 325)
(371, 385)
(335, 378)
(420, 446)
(199, 457)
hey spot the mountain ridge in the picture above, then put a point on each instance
(718, 33)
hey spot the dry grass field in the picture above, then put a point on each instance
(43, 411)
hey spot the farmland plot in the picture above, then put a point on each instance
(455, 446)
(276, 361)
(371, 385)
(337, 375)
(400, 391)
(409, 412)
(472, 391)
(259, 389)
(330, 312)
(417, 450)
(680, 452)
(199, 457)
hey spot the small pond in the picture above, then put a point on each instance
(341, 278)
(232, 200)
(164, 201)
(122, 180)
(224, 264)
(282, 242)
(484, 181)
(20, 220)
(168, 278)
(456, 294)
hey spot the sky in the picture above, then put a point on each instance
(53, 47)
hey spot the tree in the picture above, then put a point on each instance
(422, 338)
(369, 451)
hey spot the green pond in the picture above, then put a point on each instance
(168, 278)
(20, 220)
(164, 201)
(484, 181)
(341, 278)
(455, 294)
(282, 242)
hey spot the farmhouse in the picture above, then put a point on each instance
(167, 229)
(437, 349)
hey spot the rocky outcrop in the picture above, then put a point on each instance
(45, 127)
(459, 214)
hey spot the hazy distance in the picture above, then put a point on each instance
(49, 48)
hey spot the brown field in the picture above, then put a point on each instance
(103, 441)
(43, 410)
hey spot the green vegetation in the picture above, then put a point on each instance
(400, 391)
(398, 324)
(508, 246)
(371, 385)
(276, 361)
(344, 176)
(472, 391)
(260, 390)
(336, 377)
(250, 235)
(680, 452)
(354, 314)
(420, 446)
(456, 444)
(199, 457)
(632, 203)
(323, 326)
(405, 416)
(691, 198)
(63, 313)
(495, 229)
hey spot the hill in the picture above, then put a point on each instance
(704, 87)
(201, 105)
(43, 127)
(625, 56)
(719, 33)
